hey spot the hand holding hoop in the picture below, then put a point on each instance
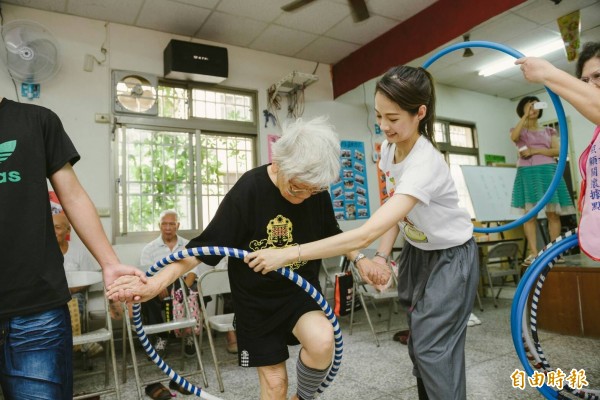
(224, 251)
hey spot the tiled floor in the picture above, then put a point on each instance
(384, 373)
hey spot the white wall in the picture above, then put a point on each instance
(76, 95)
(490, 115)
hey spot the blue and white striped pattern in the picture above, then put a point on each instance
(225, 251)
(540, 267)
(585, 393)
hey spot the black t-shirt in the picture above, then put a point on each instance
(33, 146)
(252, 216)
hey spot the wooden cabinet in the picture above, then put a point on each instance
(569, 303)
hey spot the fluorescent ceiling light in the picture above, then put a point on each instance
(537, 51)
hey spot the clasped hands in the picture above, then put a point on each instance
(267, 260)
(263, 261)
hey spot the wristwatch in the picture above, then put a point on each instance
(359, 257)
(385, 257)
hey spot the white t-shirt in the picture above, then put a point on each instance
(436, 222)
(77, 258)
(157, 250)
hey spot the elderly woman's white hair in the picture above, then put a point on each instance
(308, 151)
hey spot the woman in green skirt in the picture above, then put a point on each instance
(535, 169)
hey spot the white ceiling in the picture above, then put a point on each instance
(533, 22)
(325, 32)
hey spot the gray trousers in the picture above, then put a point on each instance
(438, 288)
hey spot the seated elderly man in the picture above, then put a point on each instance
(76, 258)
(153, 311)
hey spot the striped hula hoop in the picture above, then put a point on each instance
(587, 394)
(542, 262)
(225, 251)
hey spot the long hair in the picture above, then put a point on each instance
(411, 88)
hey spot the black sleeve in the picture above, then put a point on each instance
(59, 147)
(226, 229)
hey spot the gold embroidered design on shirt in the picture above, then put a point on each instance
(279, 235)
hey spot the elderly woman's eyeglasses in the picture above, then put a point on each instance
(594, 78)
(294, 190)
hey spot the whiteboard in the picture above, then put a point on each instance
(490, 189)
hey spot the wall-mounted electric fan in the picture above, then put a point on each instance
(32, 51)
(135, 93)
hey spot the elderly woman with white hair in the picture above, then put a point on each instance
(275, 206)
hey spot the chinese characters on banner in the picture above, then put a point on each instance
(350, 195)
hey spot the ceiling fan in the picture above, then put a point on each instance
(357, 7)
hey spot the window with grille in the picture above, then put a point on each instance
(185, 159)
(458, 143)
(222, 105)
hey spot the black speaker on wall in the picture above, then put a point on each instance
(195, 61)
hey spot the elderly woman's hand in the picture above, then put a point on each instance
(373, 272)
(132, 287)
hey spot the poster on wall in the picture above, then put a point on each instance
(270, 140)
(350, 194)
(383, 194)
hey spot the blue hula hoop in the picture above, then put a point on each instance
(544, 261)
(562, 123)
(540, 263)
(225, 251)
(584, 393)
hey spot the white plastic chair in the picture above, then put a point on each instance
(213, 283)
(101, 335)
(188, 322)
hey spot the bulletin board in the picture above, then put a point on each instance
(350, 194)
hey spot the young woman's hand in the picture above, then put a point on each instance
(373, 272)
(267, 260)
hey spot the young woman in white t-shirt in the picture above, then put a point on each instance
(438, 271)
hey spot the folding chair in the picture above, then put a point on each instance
(499, 255)
(188, 322)
(213, 283)
(331, 267)
(102, 335)
(366, 291)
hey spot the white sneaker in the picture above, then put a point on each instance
(473, 320)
